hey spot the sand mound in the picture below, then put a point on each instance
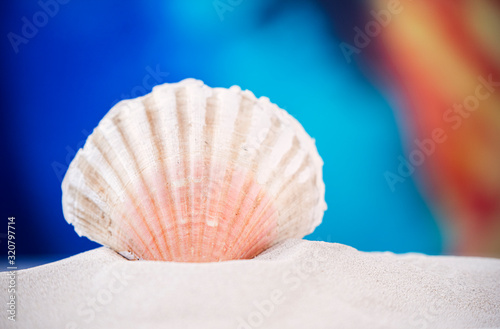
(297, 284)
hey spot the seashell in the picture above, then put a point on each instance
(195, 174)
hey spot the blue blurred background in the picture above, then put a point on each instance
(58, 83)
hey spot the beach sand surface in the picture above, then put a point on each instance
(296, 284)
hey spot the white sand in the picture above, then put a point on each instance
(298, 284)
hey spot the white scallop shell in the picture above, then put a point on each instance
(195, 174)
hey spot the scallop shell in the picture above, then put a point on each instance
(195, 174)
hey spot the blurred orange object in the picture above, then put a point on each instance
(443, 62)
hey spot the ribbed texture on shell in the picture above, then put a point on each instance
(195, 174)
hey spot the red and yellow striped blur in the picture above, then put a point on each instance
(442, 59)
